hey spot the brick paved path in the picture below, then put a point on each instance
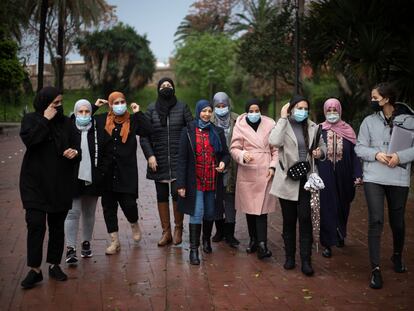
(146, 277)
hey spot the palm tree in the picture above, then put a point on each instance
(259, 12)
(88, 12)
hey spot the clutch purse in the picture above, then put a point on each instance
(299, 170)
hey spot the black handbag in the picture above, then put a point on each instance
(299, 170)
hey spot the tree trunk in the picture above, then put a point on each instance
(60, 52)
(42, 34)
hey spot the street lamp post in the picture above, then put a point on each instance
(210, 80)
(297, 48)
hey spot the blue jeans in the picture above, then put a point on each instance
(204, 207)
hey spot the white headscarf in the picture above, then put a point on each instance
(85, 166)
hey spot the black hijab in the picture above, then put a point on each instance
(250, 102)
(165, 101)
(56, 125)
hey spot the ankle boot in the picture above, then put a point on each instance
(195, 232)
(115, 246)
(307, 267)
(178, 221)
(207, 227)
(164, 212)
(376, 278)
(252, 248)
(136, 232)
(262, 251)
(399, 266)
(229, 234)
(219, 230)
(290, 251)
(305, 255)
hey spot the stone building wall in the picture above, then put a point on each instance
(74, 78)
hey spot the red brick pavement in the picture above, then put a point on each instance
(146, 277)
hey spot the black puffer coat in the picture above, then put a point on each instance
(164, 141)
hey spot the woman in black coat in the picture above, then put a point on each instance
(168, 117)
(46, 181)
(121, 183)
(202, 159)
(96, 148)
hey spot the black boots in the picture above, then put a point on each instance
(252, 248)
(262, 251)
(376, 278)
(195, 232)
(399, 266)
(327, 252)
(290, 251)
(207, 227)
(229, 234)
(219, 236)
(305, 255)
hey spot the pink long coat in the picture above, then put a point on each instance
(252, 185)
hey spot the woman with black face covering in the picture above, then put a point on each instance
(46, 182)
(168, 117)
(294, 135)
(386, 174)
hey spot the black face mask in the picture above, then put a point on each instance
(166, 92)
(375, 105)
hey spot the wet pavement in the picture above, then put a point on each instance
(146, 277)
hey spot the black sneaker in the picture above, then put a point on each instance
(376, 278)
(399, 266)
(71, 257)
(31, 279)
(56, 273)
(86, 251)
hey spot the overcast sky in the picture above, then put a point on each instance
(158, 19)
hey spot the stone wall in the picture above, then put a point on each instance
(74, 78)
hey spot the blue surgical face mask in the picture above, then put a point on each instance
(119, 109)
(254, 117)
(221, 112)
(332, 117)
(300, 114)
(83, 120)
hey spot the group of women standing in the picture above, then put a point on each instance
(211, 166)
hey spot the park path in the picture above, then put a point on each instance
(147, 277)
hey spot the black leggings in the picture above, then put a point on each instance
(164, 190)
(396, 200)
(36, 229)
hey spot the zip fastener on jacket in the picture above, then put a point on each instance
(168, 145)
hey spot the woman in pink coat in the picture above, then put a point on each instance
(256, 166)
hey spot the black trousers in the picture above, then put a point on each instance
(293, 211)
(257, 226)
(36, 229)
(128, 203)
(164, 190)
(396, 200)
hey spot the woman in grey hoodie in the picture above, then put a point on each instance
(385, 175)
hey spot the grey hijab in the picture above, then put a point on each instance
(222, 98)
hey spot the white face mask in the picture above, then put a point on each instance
(332, 117)
(119, 109)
